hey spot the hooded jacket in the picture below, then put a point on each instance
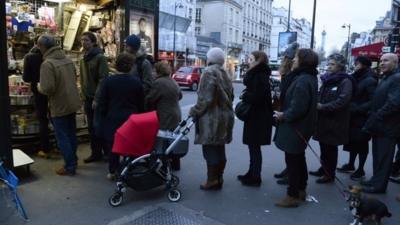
(93, 70)
(58, 82)
(144, 70)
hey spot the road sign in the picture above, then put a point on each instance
(385, 49)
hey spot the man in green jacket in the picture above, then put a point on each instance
(58, 83)
(93, 69)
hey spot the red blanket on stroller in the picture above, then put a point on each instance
(137, 135)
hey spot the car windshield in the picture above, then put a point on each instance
(185, 70)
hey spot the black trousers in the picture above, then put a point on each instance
(41, 108)
(255, 160)
(297, 173)
(113, 159)
(96, 143)
(329, 158)
(382, 157)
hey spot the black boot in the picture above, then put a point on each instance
(251, 181)
(318, 173)
(283, 181)
(282, 174)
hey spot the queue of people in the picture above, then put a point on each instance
(348, 110)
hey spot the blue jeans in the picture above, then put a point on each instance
(65, 132)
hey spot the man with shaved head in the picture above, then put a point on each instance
(384, 124)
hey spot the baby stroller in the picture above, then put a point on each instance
(147, 154)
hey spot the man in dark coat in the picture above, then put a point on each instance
(93, 70)
(366, 82)
(257, 129)
(296, 123)
(32, 62)
(384, 124)
(142, 67)
(333, 116)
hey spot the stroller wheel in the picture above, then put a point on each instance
(174, 181)
(174, 195)
(115, 199)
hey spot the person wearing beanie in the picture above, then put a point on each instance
(214, 117)
(333, 119)
(366, 84)
(286, 79)
(142, 67)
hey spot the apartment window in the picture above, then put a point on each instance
(190, 13)
(237, 18)
(198, 15)
(231, 16)
(197, 30)
(231, 34)
(237, 36)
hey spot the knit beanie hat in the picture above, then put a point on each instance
(364, 61)
(290, 52)
(216, 56)
(133, 41)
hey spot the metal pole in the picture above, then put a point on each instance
(288, 20)
(5, 134)
(313, 25)
(348, 46)
(173, 44)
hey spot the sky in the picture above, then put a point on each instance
(332, 14)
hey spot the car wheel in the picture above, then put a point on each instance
(194, 86)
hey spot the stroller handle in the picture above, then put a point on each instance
(183, 123)
(181, 131)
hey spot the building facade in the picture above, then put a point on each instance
(302, 27)
(222, 21)
(257, 21)
(382, 29)
(185, 40)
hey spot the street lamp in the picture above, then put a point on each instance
(313, 25)
(177, 5)
(348, 42)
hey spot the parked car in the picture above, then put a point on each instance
(188, 76)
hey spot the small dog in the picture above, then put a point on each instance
(366, 208)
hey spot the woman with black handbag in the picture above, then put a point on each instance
(258, 123)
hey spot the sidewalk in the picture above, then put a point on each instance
(82, 200)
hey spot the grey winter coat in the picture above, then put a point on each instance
(213, 110)
(299, 114)
(333, 118)
(144, 70)
(164, 97)
(384, 116)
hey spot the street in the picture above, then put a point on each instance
(82, 200)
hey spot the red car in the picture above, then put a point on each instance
(188, 76)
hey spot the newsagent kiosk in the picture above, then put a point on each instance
(23, 21)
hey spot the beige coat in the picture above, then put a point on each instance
(213, 110)
(58, 82)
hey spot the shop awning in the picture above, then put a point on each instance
(167, 21)
(373, 51)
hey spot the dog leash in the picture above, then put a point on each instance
(343, 186)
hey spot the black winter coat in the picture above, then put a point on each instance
(119, 96)
(360, 104)
(384, 116)
(299, 114)
(333, 118)
(257, 130)
(31, 73)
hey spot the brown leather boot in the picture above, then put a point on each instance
(221, 167)
(212, 178)
(288, 202)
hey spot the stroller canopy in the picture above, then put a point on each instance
(137, 135)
